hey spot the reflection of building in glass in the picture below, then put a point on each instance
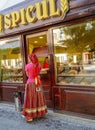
(74, 49)
(10, 60)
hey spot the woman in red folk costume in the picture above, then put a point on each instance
(34, 101)
(46, 63)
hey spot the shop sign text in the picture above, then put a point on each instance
(40, 11)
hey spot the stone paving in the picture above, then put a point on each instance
(12, 120)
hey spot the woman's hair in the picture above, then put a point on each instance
(33, 58)
(45, 59)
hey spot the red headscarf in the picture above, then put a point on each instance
(33, 58)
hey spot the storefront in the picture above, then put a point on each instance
(61, 30)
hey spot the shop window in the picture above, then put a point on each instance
(10, 60)
(74, 54)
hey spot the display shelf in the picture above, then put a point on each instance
(73, 69)
(77, 75)
(12, 75)
(76, 79)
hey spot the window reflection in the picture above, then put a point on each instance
(10, 60)
(74, 48)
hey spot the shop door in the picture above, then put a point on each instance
(37, 43)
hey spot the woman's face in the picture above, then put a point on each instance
(47, 59)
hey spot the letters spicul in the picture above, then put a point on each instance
(40, 11)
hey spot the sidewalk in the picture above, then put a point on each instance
(12, 120)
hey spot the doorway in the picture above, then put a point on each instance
(37, 44)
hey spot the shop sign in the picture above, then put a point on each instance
(41, 11)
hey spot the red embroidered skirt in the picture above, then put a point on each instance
(34, 102)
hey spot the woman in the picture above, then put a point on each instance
(34, 102)
(46, 63)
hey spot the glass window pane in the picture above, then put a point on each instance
(74, 49)
(10, 60)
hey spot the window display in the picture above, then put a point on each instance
(10, 61)
(74, 49)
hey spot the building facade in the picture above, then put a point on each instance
(61, 30)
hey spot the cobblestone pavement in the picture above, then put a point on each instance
(12, 120)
